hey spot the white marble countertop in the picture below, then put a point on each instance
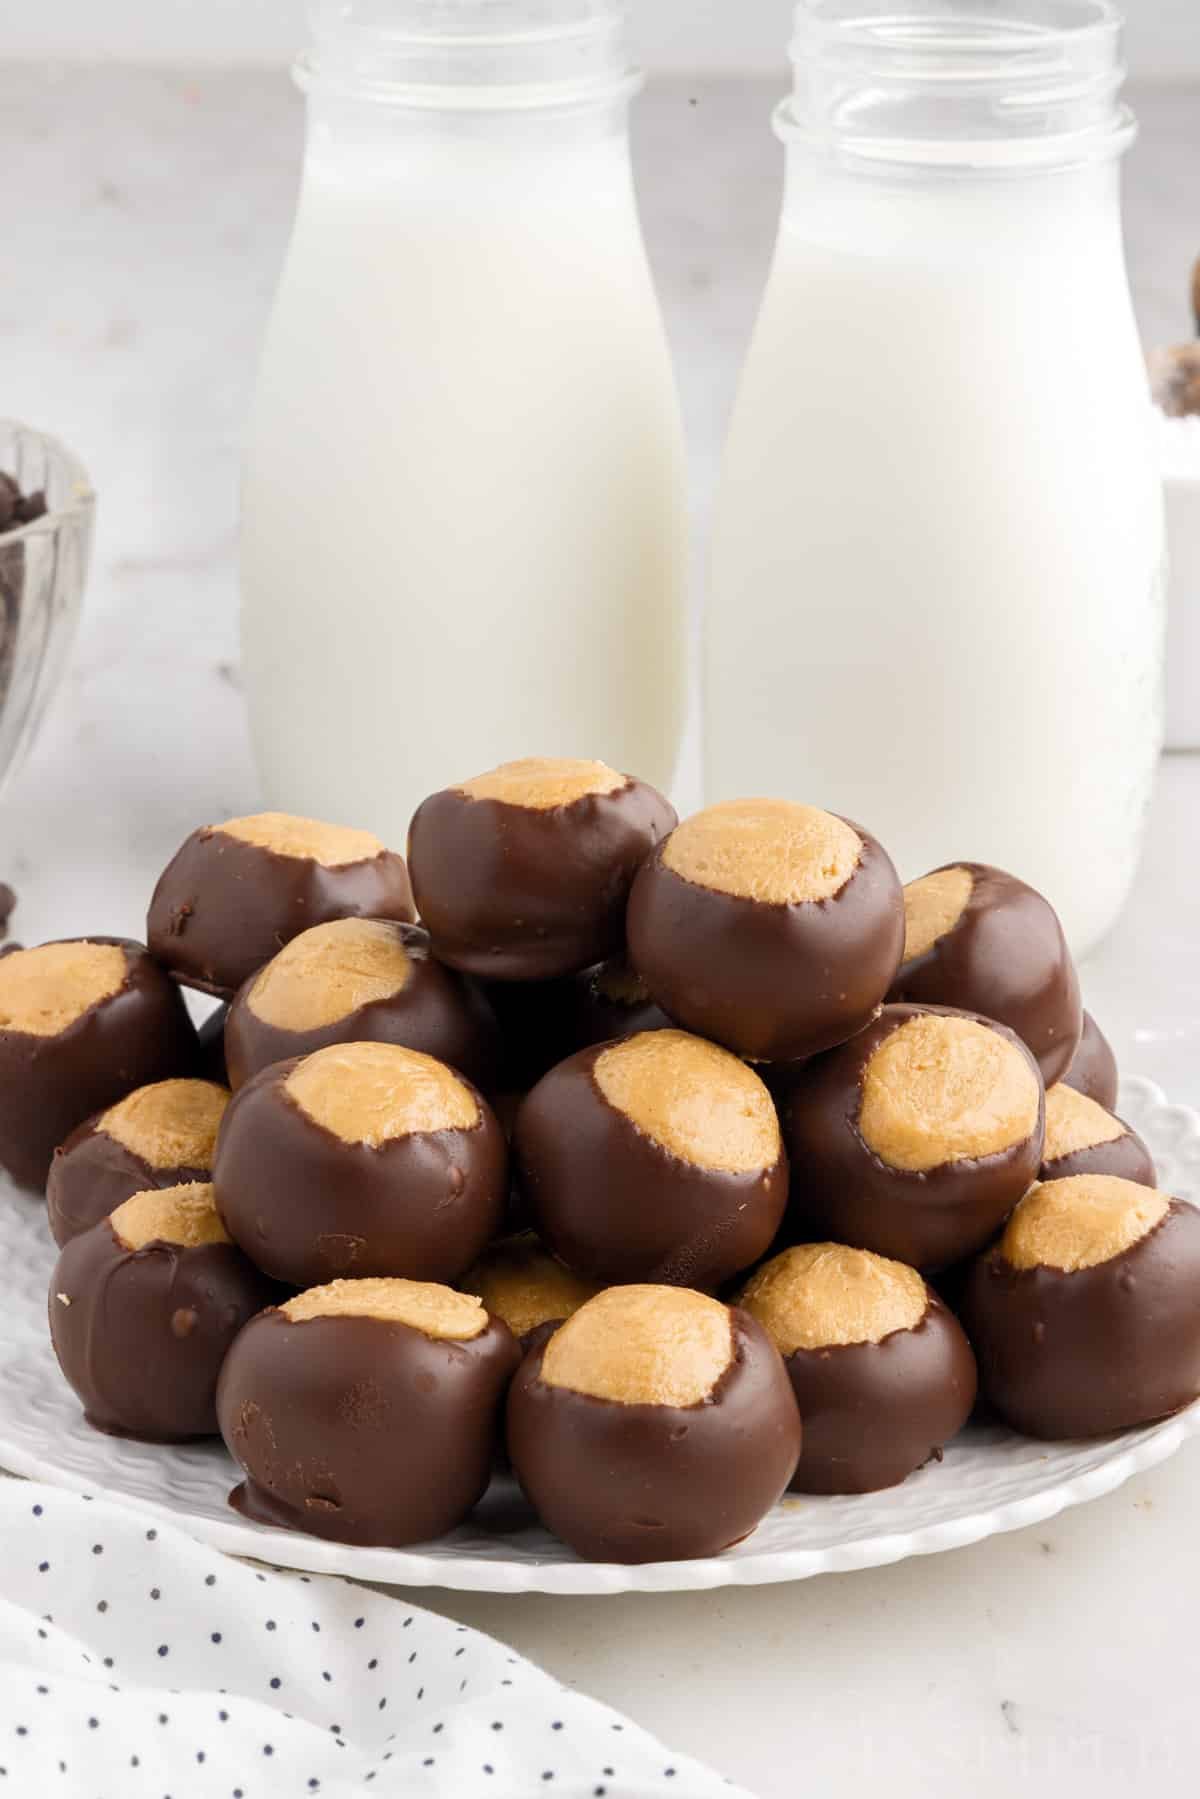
(146, 217)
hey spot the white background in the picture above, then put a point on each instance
(1163, 38)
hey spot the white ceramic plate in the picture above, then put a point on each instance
(989, 1481)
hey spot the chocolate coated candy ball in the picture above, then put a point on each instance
(143, 1309)
(361, 1159)
(520, 1281)
(1086, 1315)
(82, 1023)
(917, 1138)
(772, 928)
(882, 1372)
(523, 874)
(655, 1425)
(235, 893)
(1082, 1138)
(158, 1136)
(982, 941)
(656, 1158)
(1093, 1069)
(366, 1411)
(359, 980)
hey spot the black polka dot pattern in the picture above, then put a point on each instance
(143, 1650)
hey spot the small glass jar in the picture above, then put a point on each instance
(937, 585)
(463, 525)
(43, 572)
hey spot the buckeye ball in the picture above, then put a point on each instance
(1093, 1069)
(1084, 1138)
(917, 1138)
(235, 893)
(882, 1371)
(770, 927)
(654, 1425)
(520, 1281)
(359, 980)
(982, 941)
(143, 1309)
(656, 1158)
(163, 1135)
(367, 1411)
(523, 874)
(82, 1023)
(1086, 1315)
(361, 1159)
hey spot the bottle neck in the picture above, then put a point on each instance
(471, 56)
(946, 88)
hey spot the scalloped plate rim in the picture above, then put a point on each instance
(460, 1570)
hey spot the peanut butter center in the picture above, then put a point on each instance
(373, 1093)
(642, 1346)
(186, 1216)
(694, 1100)
(520, 1282)
(932, 907)
(945, 1089)
(306, 839)
(818, 1295)
(541, 783)
(1080, 1222)
(44, 991)
(768, 850)
(424, 1306)
(172, 1124)
(330, 971)
(1075, 1122)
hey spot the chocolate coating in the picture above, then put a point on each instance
(514, 894)
(146, 1330)
(873, 1412)
(610, 1001)
(49, 1085)
(92, 1174)
(615, 1206)
(1098, 1350)
(1006, 958)
(842, 1191)
(1093, 1069)
(363, 1430)
(771, 982)
(223, 907)
(1125, 1156)
(310, 1208)
(436, 1011)
(649, 1483)
(211, 1038)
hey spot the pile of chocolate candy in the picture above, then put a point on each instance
(632, 1164)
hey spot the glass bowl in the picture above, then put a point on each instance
(43, 568)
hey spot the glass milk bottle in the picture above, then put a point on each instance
(936, 592)
(463, 531)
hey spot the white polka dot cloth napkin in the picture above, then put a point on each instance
(138, 1664)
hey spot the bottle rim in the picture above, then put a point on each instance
(867, 24)
(958, 86)
(477, 55)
